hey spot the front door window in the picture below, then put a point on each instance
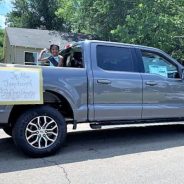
(156, 64)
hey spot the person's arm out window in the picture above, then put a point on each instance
(60, 64)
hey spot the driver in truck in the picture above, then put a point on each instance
(55, 59)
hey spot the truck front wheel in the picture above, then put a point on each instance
(40, 131)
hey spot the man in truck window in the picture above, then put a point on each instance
(55, 59)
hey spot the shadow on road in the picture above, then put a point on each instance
(90, 145)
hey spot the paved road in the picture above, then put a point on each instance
(150, 155)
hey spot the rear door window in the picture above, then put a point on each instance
(114, 58)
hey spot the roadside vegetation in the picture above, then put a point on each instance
(1, 43)
(157, 23)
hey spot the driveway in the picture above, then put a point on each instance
(146, 155)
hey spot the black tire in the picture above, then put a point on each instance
(20, 129)
(8, 130)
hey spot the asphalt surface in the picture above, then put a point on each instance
(146, 155)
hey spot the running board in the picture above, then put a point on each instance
(106, 126)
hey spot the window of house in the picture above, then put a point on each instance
(156, 64)
(114, 58)
(31, 58)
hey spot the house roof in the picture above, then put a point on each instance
(36, 38)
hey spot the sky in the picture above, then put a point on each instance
(5, 7)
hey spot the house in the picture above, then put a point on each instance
(22, 46)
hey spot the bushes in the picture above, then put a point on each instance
(1, 43)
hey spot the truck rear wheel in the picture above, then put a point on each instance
(40, 131)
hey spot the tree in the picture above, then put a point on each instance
(69, 10)
(97, 17)
(154, 23)
(1, 43)
(35, 14)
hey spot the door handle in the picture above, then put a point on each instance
(103, 81)
(151, 83)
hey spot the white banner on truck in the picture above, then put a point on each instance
(21, 86)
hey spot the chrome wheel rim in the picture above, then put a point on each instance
(41, 132)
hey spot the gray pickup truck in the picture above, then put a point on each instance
(101, 83)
